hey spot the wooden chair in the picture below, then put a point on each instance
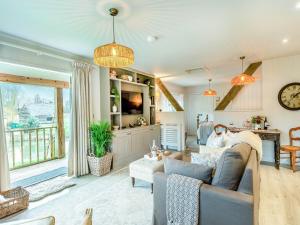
(291, 149)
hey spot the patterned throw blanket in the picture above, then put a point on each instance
(183, 200)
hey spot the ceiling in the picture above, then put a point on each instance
(191, 33)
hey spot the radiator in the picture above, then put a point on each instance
(170, 137)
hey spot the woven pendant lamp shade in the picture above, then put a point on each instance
(243, 79)
(113, 55)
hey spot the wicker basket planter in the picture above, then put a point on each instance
(18, 200)
(100, 166)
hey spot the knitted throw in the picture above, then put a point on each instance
(183, 200)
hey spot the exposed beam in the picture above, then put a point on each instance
(60, 122)
(31, 80)
(233, 92)
(168, 95)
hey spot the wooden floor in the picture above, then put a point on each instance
(279, 196)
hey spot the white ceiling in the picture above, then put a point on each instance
(191, 33)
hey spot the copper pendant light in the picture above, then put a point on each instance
(209, 92)
(242, 79)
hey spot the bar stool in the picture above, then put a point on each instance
(291, 149)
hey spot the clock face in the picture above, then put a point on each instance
(289, 96)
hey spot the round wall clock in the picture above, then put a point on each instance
(289, 96)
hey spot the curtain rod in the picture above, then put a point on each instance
(42, 52)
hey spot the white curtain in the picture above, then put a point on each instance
(4, 167)
(81, 115)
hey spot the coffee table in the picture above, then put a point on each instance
(144, 169)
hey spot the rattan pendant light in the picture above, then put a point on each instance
(209, 92)
(242, 79)
(113, 55)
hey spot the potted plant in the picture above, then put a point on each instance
(100, 157)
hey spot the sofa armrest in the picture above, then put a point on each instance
(222, 207)
(159, 198)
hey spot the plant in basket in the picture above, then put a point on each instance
(100, 157)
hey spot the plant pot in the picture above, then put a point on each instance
(100, 166)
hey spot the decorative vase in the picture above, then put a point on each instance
(257, 126)
(114, 108)
(100, 166)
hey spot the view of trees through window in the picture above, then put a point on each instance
(31, 123)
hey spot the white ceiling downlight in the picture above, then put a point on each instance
(285, 40)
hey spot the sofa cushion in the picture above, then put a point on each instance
(187, 169)
(231, 166)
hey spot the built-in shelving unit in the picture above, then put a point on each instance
(126, 80)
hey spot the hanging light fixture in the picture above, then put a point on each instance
(209, 91)
(242, 79)
(113, 55)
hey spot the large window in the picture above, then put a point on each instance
(30, 117)
(165, 104)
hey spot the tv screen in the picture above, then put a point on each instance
(132, 103)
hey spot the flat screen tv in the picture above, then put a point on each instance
(132, 103)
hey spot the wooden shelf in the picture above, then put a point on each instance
(152, 105)
(115, 113)
(112, 96)
(129, 82)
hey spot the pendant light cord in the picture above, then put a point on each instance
(114, 29)
(242, 65)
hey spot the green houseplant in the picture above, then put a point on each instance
(101, 138)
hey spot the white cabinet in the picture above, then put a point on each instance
(140, 143)
(131, 144)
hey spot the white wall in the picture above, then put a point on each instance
(275, 73)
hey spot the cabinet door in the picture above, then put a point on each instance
(140, 143)
(121, 149)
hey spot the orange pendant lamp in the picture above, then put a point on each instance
(113, 55)
(209, 92)
(242, 79)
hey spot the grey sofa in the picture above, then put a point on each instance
(218, 205)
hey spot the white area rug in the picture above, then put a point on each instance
(112, 198)
(44, 189)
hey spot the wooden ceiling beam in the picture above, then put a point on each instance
(233, 92)
(168, 95)
(34, 81)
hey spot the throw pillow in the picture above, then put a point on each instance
(200, 172)
(231, 166)
(215, 141)
(230, 139)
